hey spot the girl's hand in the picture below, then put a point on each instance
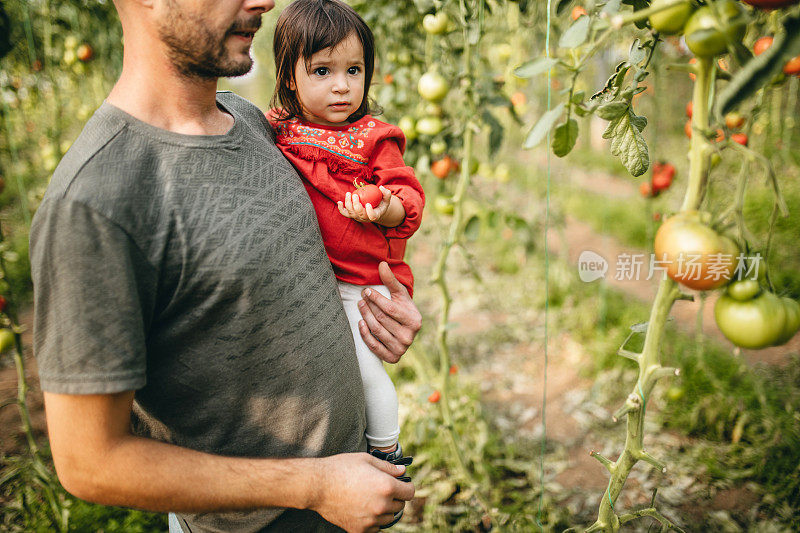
(352, 208)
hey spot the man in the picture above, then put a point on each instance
(191, 343)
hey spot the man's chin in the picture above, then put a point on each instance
(240, 69)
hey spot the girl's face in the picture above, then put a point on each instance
(332, 88)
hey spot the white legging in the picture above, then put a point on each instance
(383, 428)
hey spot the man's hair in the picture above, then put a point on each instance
(304, 28)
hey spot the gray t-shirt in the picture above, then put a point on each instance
(191, 270)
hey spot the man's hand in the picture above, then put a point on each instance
(359, 492)
(389, 326)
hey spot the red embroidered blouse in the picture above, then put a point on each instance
(329, 158)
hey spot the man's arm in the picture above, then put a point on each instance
(99, 460)
(389, 326)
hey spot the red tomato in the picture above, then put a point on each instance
(695, 255)
(661, 182)
(734, 121)
(84, 52)
(453, 369)
(369, 194)
(687, 128)
(740, 138)
(770, 4)
(577, 12)
(792, 68)
(689, 108)
(435, 396)
(761, 45)
(443, 167)
(518, 99)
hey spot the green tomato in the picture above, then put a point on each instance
(435, 24)
(671, 20)
(707, 36)
(433, 87)
(792, 320)
(743, 290)
(434, 110)
(409, 127)
(430, 126)
(438, 147)
(502, 173)
(6, 339)
(675, 393)
(444, 205)
(755, 323)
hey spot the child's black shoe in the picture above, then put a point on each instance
(396, 458)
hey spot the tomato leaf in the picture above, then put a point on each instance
(762, 69)
(612, 110)
(628, 143)
(495, 132)
(565, 137)
(637, 53)
(543, 127)
(472, 228)
(535, 67)
(576, 34)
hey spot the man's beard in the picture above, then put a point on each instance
(196, 51)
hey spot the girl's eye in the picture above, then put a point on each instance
(321, 71)
(354, 70)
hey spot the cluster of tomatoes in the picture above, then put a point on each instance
(708, 29)
(733, 121)
(791, 68)
(700, 258)
(660, 180)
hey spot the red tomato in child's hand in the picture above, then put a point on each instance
(369, 194)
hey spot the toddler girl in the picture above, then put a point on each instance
(324, 57)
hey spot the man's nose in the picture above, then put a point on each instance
(258, 6)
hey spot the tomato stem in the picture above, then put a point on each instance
(454, 234)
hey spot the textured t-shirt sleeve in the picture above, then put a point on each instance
(390, 171)
(94, 293)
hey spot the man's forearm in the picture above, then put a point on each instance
(147, 474)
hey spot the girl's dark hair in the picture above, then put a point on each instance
(304, 28)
